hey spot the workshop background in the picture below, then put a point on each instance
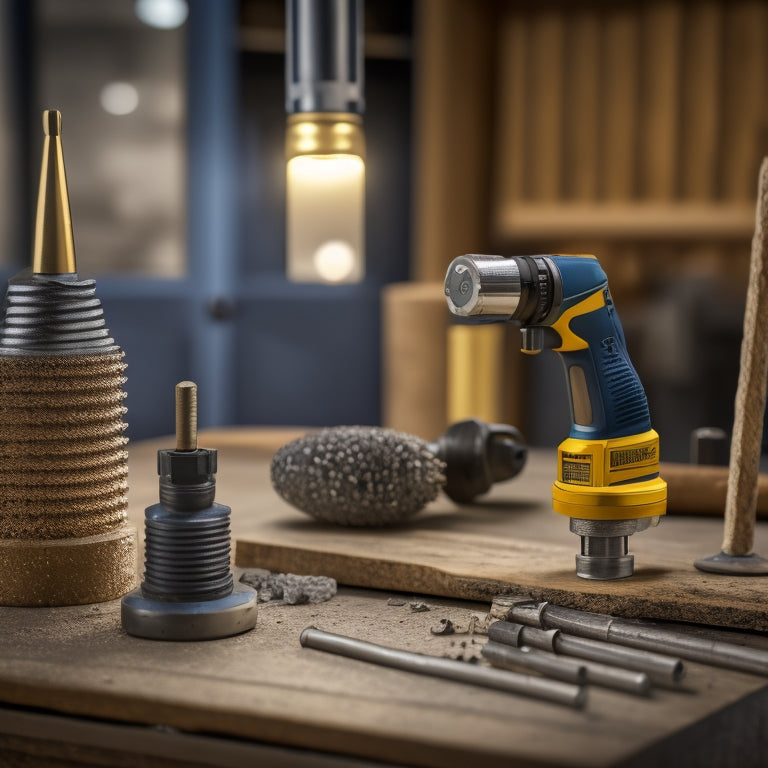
(631, 130)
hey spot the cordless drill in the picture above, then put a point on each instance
(608, 468)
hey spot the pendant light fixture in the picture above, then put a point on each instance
(325, 144)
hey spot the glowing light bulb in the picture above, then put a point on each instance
(325, 217)
(163, 14)
(119, 98)
(324, 141)
(335, 260)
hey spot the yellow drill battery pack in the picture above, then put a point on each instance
(610, 479)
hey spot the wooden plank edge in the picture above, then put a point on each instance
(397, 576)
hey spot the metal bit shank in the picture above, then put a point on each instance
(664, 670)
(186, 416)
(509, 657)
(505, 653)
(541, 688)
(641, 634)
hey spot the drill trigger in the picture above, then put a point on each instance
(538, 337)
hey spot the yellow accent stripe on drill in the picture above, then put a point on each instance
(570, 342)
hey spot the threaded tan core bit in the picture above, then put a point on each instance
(64, 481)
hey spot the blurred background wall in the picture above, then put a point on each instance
(632, 130)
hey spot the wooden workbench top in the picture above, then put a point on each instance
(262, 685)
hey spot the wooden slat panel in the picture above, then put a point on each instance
(744, 97)
(618, 110)
(512, 76)
(659, 98)
(545, 107)
(580, 95)
(700, 99)
(452, 111)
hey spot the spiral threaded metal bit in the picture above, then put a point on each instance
(63, 463)
(188, 591)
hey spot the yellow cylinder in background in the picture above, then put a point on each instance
(475, 361)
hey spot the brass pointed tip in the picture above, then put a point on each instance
(54, 249)
(52, 122)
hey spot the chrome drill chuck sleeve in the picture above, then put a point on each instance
(482, 285)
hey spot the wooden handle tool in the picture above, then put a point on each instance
(741, 499)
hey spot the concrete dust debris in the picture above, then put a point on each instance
(289, 587)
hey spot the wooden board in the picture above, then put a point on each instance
(478, 567)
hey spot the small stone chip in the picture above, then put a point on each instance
(419, 608)
(445, 627)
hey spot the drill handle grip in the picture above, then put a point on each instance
(606, 397)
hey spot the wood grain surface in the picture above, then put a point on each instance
(474, 567)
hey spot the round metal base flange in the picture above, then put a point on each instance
(734, 565)
(204, 620)
(605, 568)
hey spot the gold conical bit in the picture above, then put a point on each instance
(54, 251)
(186, 416)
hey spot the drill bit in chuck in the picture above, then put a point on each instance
(63, 460)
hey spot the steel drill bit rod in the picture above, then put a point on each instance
(527, 685)
(664, 670)
(640, 634)
(507, 657)
(590, 672)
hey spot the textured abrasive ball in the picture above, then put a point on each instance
(358, 475)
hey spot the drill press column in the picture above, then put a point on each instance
(63, 463)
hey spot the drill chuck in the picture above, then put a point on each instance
(524, 288)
